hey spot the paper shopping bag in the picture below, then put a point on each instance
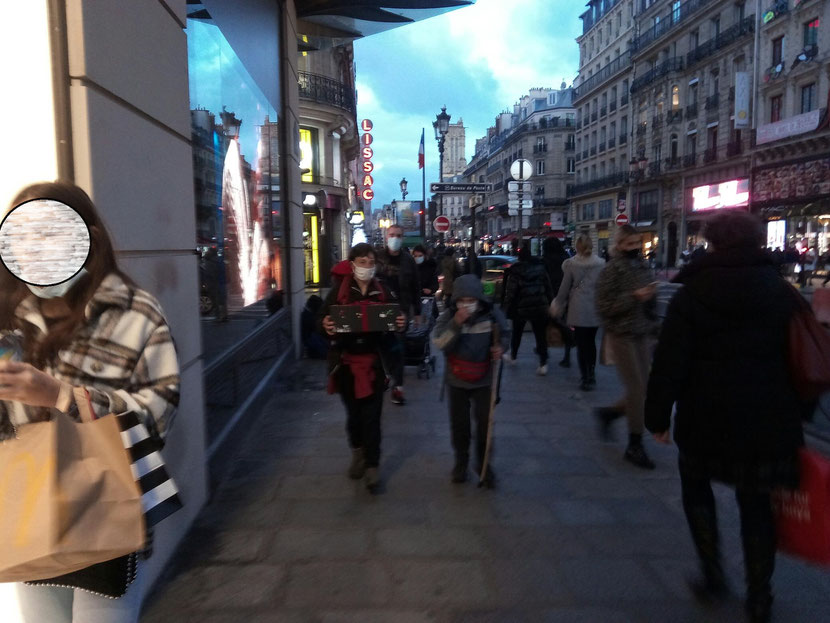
(803, 515)
(68, 499)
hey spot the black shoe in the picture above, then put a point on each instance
(708, 590)
(759, 608)
(459, 471)
(636, 455)
(606, 415)
(489, 480)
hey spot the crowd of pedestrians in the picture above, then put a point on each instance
(712, 345)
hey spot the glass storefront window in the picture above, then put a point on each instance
(236, 174)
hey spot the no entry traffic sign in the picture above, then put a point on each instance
(621, 219)
(441, 224)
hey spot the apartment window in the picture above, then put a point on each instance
(673, 146)
(692, 95)
(777, 50)
(714, 27)
(691, 144)
(571, 165)
(808, 97)
(657, 153)
(540, 143)
(623, 126)
(605, 207)
(775, 108)
(675, 11)
(656, 21)
(675, 97)
(713, 83)
(811, 32)
(713, 138)
(614, 95)
(602, 134)
(540, 167)
(588, 211)
(694, 39)
(740, 9)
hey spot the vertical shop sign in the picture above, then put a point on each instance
(741, 100)
(367, 167)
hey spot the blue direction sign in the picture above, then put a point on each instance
(460, 188)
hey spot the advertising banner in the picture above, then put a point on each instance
(741, 100)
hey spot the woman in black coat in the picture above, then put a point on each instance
(554, 255)
(722, 360)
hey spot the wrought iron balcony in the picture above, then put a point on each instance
(670, 20)
(672, 163)
(612, 106)
(733, 148)
(657, 120)
(603, 111)
(601, 147)
(691, 111)
(606, 181)
(623, 138)
(324, 90)
(689, 160)
(654, 169)
(710, 155)
(624, 100)
(674, 116)
(658, 71)
(612, 142)
(593, 151)
(570, 145)
(730, 35)
(712, 101)
(584, 154)
(623, 61)
(594, 116)
(538, 149)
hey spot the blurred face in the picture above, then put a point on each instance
(629, 243)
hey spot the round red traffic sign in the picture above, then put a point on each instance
(621, 219)
(441, 224)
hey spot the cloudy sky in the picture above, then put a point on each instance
(477, 61)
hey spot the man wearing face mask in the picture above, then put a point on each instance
(472, 333)
(398, 272)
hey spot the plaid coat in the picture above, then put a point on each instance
(124, 356)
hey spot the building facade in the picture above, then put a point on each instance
(541, 130)
(604, 118)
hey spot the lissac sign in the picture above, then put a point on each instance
(366, 140)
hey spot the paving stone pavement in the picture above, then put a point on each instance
(572, 534)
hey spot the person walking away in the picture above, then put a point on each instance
(100, 332)
(472, 332)
(397, 270)
(355, 363)
(554, 255)
(528, 296)
(427, 274)
(626, 304)
(449, 272)
(721, 362)
(577, 298)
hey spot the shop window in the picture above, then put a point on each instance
(808, 97)
(811, 32)
(775, 108)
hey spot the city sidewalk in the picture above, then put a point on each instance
(572, 533)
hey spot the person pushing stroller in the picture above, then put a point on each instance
(473, 334)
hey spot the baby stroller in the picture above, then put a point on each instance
(417, 340)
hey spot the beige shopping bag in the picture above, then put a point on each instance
(68, 499)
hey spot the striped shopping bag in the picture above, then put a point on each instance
(159, 494)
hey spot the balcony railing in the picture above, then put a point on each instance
(654, 169)
(691, 110)
(624, 100)
(657, 120)
(733, 148)
(601, 147)
(674, 116)
(710, 155)
(606, 181)
(584, 154)
(498, 185)
(612, 106)
(641, 128)
(727, 37)
(712, 101)
(594, 116)
(618, 64)
(658, 71)
(623, 138)
(324, 90)
(603, 111)
(539, 149)
(570, 145)
(672, 163)
(612, 142)
(671, 19)
(593, 151)
(689, 160)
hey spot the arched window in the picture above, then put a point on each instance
(673, 146)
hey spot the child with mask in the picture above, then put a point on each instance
(356, 369)
(472, 333)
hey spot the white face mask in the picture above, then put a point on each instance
(394, 244)
(363, 274)
(53, 292)
(470, 307)
(419, 259)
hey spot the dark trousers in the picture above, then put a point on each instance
(363, 415)
(539, 324)
(461, 401)
(586, 350)
(757, 531)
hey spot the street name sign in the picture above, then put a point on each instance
(621, 219)
(521, 170)
(441, 224)
(516, 187)
(460, 188)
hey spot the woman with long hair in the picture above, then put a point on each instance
(100, 332)
(577, 300)
(626, 301)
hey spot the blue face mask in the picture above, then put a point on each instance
(53, 292)
(395, 244)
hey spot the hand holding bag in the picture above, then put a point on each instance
(68, 498)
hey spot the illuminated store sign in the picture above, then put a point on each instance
(367, 167)
(732, 194)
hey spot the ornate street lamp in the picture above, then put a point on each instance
(441, 125)
(394, 206)
(403, 189)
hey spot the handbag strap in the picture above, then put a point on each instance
(84, 404)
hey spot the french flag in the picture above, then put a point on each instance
(421, 151)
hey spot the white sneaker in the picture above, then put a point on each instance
(542, 370)
(508, 359)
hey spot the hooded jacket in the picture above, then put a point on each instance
(528, 292)
(578, 290)
(472, 340)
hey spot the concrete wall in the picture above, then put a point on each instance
(129, 110)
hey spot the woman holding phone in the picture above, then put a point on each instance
(94, 330)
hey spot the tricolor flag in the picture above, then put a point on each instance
(421, 151)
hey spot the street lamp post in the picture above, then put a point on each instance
(404, 184)
(394, 206)
(441, 125)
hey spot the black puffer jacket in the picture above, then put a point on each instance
(528, 291)
(722, 358)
